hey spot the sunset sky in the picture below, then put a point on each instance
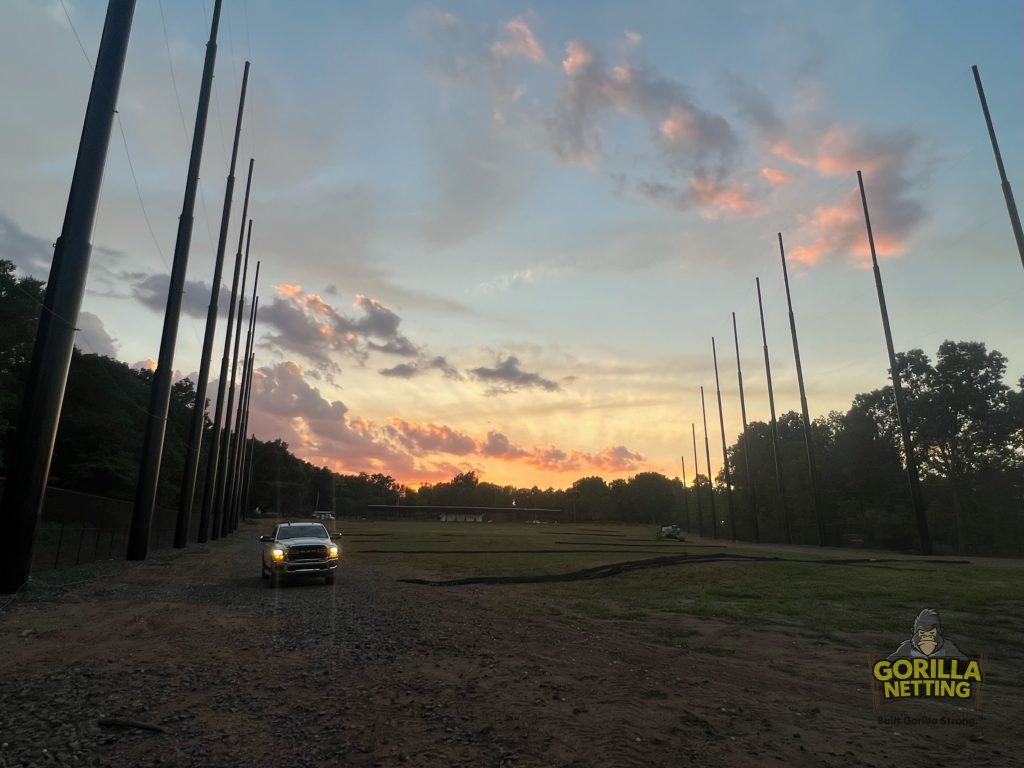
(500, 236)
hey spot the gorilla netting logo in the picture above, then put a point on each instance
(928, 665)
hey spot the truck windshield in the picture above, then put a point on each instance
(299, 531)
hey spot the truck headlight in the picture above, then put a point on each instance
(277, 554)
(332, 550)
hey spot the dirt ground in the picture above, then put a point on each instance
(373, 672)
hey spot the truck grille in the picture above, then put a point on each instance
(313, 552)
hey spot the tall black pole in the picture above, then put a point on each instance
(238, 446)
(1011, 206)
(812, 470)
(897, 389)
(243, 468)
(29, 466)
(686, 503)
(696, 482)
(235, 438)
(237, 451)
(245, 426)
(707, 453)
(751, 490)
(209, 511)
(236, 479)
(195, 436)
(248, 481)
(160, 393)
(780, 486)
(225, 449)
(725, 452)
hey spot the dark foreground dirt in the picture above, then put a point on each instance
(372, 672)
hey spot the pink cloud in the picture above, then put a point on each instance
(431, 437)
(578, 56)
(497, 445)
(306, 324)
(286, 406)
(784, 149)
(776, 176)
(714, 198)
(680, 125)
(518, 41)
(838, 228)
(615, 458)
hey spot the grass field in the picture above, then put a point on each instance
(980, 602)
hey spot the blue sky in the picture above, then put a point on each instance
(500, 236)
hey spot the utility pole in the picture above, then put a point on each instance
(751, 489)
(248, 482)
(707, 453)
(239, 445)
(245, 422)
(696, 482)
(1011, 206)
(897, 389)
(209, 514)
(686, 503)
(812, 470)
(195, 435)
(160, 394)
(237, 455)
(725, 453)
(225, 449)
(243, 475)
(780, 486)
(54, 345)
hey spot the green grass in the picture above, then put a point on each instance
(980, 604)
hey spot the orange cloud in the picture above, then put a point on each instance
(784, 149)
(316, 304)
(776, 176)
(839, 228)
(714, 198)
(288, 290)
(438, 438)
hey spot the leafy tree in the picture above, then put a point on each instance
(20, 301)
(593, 499)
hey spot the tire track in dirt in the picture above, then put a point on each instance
(614, 569)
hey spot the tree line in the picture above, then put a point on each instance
(967, 427)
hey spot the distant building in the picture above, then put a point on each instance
(461, 517)
(461, 514)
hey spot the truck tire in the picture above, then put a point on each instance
(329, 578)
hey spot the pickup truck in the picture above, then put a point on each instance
(299, 550)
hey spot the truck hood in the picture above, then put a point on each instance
(305, 541)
